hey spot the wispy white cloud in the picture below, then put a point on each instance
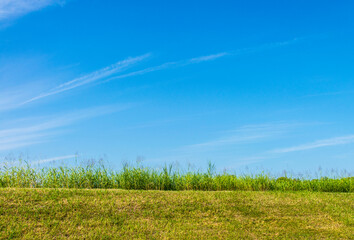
(102, 74)
(10, 9)
(206, 58)
(279, 44)
(91, 77)
(110, 73)
(9, 99)
(232, 140)
(22, 77)
(14, 162)
(16, 145)
(54, 159)
(12, 98)
(317, 144)
(270, 128)
(168, 65)
(33, 133)
(246, 134)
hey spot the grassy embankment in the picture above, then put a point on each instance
(76, 203)
(121, 214)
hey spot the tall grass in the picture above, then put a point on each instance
(143, 178)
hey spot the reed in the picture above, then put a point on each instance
(144, 178)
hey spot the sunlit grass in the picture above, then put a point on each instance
(144, 178)
(129, 214)
(77, 203)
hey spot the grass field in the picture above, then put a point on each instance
(123, 214)
(136, 202)
(141, 178)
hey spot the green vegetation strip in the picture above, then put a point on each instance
(140, 178)
(122, 214)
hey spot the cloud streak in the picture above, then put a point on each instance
(54, 159)
(246, 134)
(10, 9)
(104, 73)
(110, 73)
(227, 141)
(205, 58)
(90, 78)
(168, 65)
(30, 134)
(318, 144)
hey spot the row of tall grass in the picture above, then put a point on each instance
(143, 178)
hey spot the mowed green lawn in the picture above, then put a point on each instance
(122, 214)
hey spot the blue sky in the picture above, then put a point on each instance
(244, 84)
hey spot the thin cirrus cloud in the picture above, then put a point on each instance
(9, 99)
(39, 132)
(318, 144)
(15, 99)
(168, 65)
(246, 134)
(105, 74)
(46, 160)
(10, 9)
(55, 159)
(336, 141)
(12, 97)
(205, 58)
(309, 146)
(89, 78)
(227, 141)
(110, 73)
